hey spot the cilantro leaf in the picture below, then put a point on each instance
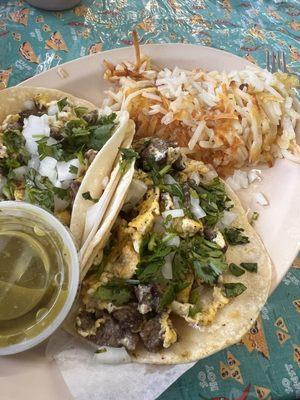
(114, 294)
(168, 296)
(100, 135)
(193, 311)
(251, 267)
(62, 103)
(80, 111)
(236, 270)
(233, 289)
(87, 196)
(234, 236)
(128, 157)
(73, 169)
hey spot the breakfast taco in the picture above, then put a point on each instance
(50, 145)
(175, 272)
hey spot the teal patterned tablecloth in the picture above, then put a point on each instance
(266, 364)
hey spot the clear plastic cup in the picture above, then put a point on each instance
(39, 275)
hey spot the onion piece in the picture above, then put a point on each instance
(20, 172)
(196, 209)
(210, 175)
(174, 213)
(34, 163)
(112, 355)
(261, 199)
(254, 175)
(169, 180)
(172, 240)
(63, 169)
(195, 177)
(60, 204)
(166, 269)
(228, 218)
(48, 168)
(176, 201)
(136, 192)
(239, 180)
(158, 226)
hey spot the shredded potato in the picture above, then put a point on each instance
(226, 119)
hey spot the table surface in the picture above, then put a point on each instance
(266, 363)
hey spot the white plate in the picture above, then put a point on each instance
(279, 222)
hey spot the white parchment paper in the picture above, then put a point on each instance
(89, 379)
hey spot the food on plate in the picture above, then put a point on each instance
(48, 141)
(175, 272)
(226, 119)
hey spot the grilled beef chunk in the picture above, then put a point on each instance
(179, 164)
(85, 320)
(151, 334)
(90, 155)
(129, 318)
(154, 149)
(209, 234)
(108, 333)
(74, 186)
(148, 298)
(55, 132)
(38, 111)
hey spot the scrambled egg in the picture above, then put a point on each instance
(186, 227)
(206, 316)
(143, 223)
(168, 333)
(192, 166)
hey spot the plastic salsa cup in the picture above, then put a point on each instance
(39, 275)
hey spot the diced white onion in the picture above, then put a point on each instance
(63, 169)
(196, 209)
(34, 163)
(34, 129)
(239, 180)
(60, 204)
(254, 175)
(261, 199)
(169, 180)
(158, 226)
(228, 218)
(210, 175)
(176, 202)
(174, 213)
(48, 168)
(195, 177)
(112, 355)
(166, 269)
(172, 240)
(51, 141)
(136, 192)
(53, 109)
(20, 172)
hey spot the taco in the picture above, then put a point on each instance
(175, 271)
(50, 145)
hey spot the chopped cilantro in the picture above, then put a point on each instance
(73, 169)
(80, 111)
(114, 294)
(193, 310)
(233, 289)
(254, 217)
(87, 196)
(128, 157)
(167, 297)
(234, 236)
(62, 103)
(213, 199)
(251, 267)
(236, 270)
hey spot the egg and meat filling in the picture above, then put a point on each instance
(45, 150)
(166, 255)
